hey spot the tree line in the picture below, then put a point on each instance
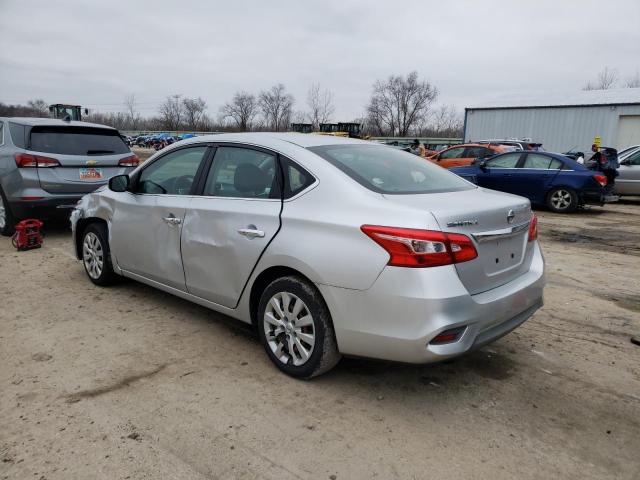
(400, 105)
(608, 78)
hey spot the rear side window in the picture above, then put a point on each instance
(17, 134)
(391, 171)
(634, 159)
(298, 179)
(239, 172)
(76, 141)
(537, 161)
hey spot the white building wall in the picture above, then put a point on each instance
(559, 129)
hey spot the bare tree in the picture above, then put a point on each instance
(633, 81)
(39, 107)
(320, 103)
(605, 80)
(400, 104)
(132, 114)
(195, 112)
(242, 110)
(171, 112)
(445, 121)
(276, 105)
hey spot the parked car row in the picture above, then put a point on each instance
(156, 141)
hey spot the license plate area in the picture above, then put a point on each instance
(90, 174)
(502, 255)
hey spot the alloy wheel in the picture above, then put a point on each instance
(561, 199)
(92, 255)
(289, 329)
(3, 214)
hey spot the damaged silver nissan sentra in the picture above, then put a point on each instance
(329, 246)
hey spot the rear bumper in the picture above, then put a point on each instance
(406, 308)
(58, 207)
(597, 197)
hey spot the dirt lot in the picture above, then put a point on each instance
(129, 382)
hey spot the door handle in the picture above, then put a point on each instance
(172, 220)
(251, 232)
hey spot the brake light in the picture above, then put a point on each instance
(131, 161)
(533, 228)
(408, 247)
(26, 160)
(601, 179)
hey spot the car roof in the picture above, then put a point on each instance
(303, 140)
(52, 122)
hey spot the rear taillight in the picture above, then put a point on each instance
(26, 160)
(408, 247)
(533, 228)
(601, 179)
(131, 161)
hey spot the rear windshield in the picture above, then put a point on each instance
(389, 170)
(77, 141)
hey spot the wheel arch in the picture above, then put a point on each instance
(263, 279)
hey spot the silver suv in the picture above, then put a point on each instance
(47, 165)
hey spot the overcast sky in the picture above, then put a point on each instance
(94, 53)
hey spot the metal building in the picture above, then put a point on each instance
(560, 121)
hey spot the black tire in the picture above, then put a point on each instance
(562, 200)
(92, 233)
(9, 220)
(324, 355)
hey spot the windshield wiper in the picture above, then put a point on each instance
(96, 152)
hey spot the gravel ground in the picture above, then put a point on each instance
(129, 382)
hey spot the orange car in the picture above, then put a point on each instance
(463, 155)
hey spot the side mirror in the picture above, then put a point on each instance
(625, 162)
(119, 183)
(482, 164)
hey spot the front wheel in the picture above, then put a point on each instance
(295, 328)
(562, 200)
(96, 257)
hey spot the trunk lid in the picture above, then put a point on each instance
(496, 222)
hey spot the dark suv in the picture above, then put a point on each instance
(47, 165)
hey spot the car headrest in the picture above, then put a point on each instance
(250, 178)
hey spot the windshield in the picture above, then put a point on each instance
(388, 170)
(77, 141)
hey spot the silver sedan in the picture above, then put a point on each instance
(328, 246)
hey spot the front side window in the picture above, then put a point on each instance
(509, 160)
(453, 153)
(172, 174)
(534, 160)
(242, 173)
(391, 171)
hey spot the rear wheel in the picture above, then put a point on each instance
(295, 328)
(7, 220)
(562, 200)
(96, 257)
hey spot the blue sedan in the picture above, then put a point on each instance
(545, 178)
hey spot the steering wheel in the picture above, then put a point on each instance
(182, 185)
